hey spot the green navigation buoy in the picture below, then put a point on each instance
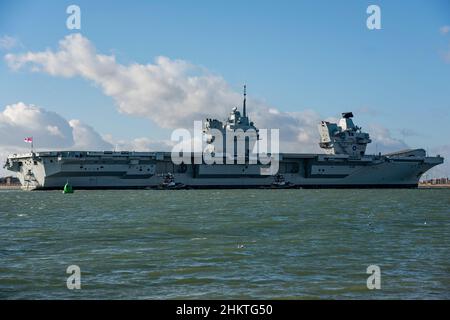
(67, 188)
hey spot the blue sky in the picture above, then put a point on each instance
(293, 55)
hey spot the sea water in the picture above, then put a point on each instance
(225, 244)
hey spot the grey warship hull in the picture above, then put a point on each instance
(146, 170)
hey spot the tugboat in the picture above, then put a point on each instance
(170, 184)
(280, 183)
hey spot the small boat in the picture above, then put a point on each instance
(170, 184)
(281, 183)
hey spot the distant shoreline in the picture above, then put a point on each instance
(433, 186)
(10, 187)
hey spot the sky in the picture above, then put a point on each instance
(136, 70)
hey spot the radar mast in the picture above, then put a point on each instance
(245, 100)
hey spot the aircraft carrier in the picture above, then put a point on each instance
(344, 164)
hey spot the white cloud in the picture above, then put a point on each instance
(382, 140)
(54, 130)
(174, 93)
(49, 130)
(170, 92)
(140, 144)
(298, 130)
(444, 30)
(8, 42)
(86, 138)
(406, 132)
(137, 144)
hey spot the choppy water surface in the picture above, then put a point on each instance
(296, 244)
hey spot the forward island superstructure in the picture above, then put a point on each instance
(344, 164)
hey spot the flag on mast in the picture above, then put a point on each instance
(29, 140)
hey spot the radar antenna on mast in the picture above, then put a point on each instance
(245, 98)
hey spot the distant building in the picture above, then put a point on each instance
(437, 181)
(9, 181)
